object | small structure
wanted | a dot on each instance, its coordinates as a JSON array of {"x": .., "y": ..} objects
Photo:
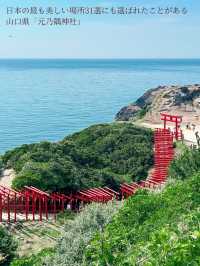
[{"x": 174, "y": 119}]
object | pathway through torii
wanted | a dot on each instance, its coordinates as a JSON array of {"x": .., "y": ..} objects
[{"x": 188, "y": 133}]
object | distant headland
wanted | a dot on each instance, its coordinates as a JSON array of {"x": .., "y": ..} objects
[{"x": 179, "y": 100}]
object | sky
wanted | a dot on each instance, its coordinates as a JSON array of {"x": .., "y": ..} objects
[{"x": 104, "y": 36}]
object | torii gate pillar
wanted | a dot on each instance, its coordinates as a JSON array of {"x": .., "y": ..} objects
[{"x": 175, "y": 119}]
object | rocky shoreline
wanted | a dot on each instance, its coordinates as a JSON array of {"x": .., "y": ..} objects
[{"x": 182, "y": 100}]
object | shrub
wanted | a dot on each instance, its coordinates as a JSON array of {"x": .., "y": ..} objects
[
  {"x": 79, "y": 232},
  {"x": 8, "y": 246},
  {"x": 186, "y": 164}
]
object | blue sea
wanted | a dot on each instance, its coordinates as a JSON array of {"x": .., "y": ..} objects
[{"x": 49, "y": 99}]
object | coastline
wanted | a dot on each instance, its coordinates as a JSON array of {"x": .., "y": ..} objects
[
  {"x": 183, "y": 101},
  {"x": 150, "y": 118}
]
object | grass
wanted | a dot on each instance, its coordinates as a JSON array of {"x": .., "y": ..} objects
[
  {"x": 33, "y": 260},
  {"x": 153, "y": 229}
]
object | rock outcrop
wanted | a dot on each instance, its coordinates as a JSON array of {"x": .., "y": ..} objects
[{"x": 169, "y": 99}]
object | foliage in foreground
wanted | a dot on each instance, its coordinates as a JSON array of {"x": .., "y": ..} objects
[
  {"x": 153, "y": 229},
  {"x": 8, "y": 246},
  {"x": 186, "y": 164},
  {"x": 99, "y": 155},
  {"x": 80, "y": 231},
  {"x": 34, "y": 260}
]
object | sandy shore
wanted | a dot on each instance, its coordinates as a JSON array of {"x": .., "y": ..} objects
[{"x": 6, "y": 178}]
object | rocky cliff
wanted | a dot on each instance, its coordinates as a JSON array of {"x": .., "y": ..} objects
[{"x": 182, "y": 100}]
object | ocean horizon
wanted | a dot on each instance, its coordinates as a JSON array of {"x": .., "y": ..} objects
[{"x": 47, "y": 99}]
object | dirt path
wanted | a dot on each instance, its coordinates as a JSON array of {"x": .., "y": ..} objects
[
  {"x": 189, "y": 134},
  {"x": 6, "y": 177},
  {"x": 35, "y": 236}
]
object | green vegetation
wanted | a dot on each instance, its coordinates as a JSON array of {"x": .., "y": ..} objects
[
  {"x": 36, "y": 241},
  {"x": 76, "y": 234},
  {"x": 150, "y": 229},
  {"x": 63, "y": 217},
  {"x": 186, "y": 164},
  {"x": 1, "y": 165},
  {"x": 79, "y": 232},
  {"x": 99, "y": 155},
  {"x": 8, "y": 246},
  {"x": 34, "y": 260},
  {"x": 141, "y": 113},
  {"x": 186, "y": 96},
  {"x": 153, "y": 229}
]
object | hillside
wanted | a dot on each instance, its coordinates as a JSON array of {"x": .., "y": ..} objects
[
  {"x": 100, "y": 155},
  {"x": 155, "y": 228},
  {"x": 150, "y": 228}
]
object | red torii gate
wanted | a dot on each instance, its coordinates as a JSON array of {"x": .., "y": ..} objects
[
  {"x": 11, "y": 202},
  {"x": 96, "y": 194},
  {"x": 32, "y": 201},
  {"x": 174, "y": 119},
  {"x": 42, "y": 202},
  {"x": 163, "y": 155}
]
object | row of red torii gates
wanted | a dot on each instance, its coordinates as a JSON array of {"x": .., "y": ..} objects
[{"x": 32, "y": 203}]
